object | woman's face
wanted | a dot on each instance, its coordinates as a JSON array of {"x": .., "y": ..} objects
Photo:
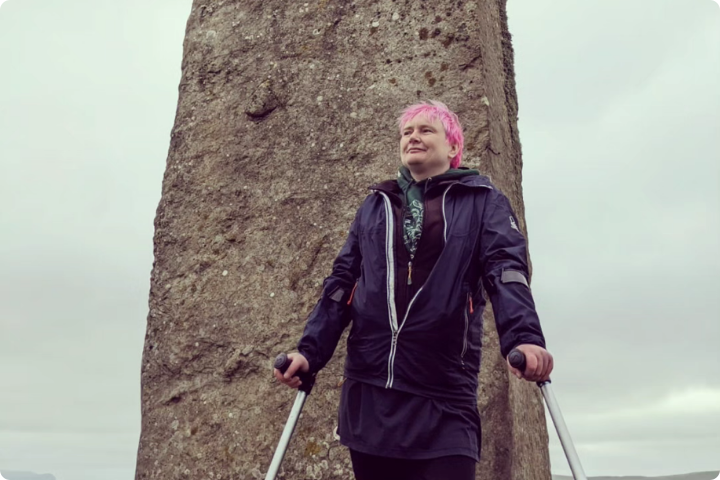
[{"x": 424, "y": 147}]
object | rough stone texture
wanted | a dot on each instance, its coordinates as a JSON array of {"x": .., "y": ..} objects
[{"x": 286, "y": 115}]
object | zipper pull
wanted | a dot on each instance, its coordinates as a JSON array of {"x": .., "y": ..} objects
[{"x": 409, "y": 273}]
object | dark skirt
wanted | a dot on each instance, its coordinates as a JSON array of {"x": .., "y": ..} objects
[{"x": 390, "y": 423}]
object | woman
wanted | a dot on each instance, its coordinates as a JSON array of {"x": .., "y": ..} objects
[{"x": 410, "y": 278}]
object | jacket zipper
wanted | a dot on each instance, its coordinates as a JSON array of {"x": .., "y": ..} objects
[
  {"x": 393, "y": 345},
  {"x": 390, "y": 259},
  {"x": 445, "y": 224}
]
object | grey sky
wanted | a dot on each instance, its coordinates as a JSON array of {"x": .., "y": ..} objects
[{"x": 619, "y": 123}]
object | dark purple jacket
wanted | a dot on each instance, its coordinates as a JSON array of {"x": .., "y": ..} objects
[{"x": 432, "y": 347}]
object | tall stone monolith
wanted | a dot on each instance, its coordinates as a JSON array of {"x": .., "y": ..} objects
[{"x": 286, "y": 115}]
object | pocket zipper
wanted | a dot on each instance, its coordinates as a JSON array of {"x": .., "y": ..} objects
[{"x": 467, "y": 326}]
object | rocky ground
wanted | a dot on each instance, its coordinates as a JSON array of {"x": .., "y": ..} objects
[{"x": 688, "y": 476}]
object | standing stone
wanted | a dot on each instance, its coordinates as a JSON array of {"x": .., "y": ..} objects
[{"x": 286, "y": 115}]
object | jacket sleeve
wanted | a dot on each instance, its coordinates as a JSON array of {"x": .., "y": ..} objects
[
  {"x": 331, "y": 314},
  {"x": 504, "y": 267}
]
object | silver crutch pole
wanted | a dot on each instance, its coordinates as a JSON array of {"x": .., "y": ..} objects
[
  {"x": 517, "y": 360},
  {"x": 282, "y": 362}
]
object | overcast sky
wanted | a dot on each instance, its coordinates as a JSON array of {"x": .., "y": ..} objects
[{"x": 620, "y": 128}]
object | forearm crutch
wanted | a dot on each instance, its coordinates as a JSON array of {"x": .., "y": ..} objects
[
  {"x": 282, "y": 362},
  {"x": 517, "y": 360}
]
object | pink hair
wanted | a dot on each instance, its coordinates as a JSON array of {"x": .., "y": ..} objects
[{"x": 438, "y": 111}]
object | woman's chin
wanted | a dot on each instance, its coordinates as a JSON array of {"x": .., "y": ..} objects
[{"x": 413, "y": 160}]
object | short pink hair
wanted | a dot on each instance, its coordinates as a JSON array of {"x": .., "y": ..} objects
[{"x": 438, "y": 111}]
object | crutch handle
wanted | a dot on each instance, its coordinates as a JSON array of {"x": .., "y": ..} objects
[
  {"x": 282, "y": 362},
  {"x": 517, "y": 359}
]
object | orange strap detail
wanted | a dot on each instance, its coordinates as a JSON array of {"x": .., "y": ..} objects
[
  {"x": 352, "y": 294},
  {"x": 471, "y": 306}
]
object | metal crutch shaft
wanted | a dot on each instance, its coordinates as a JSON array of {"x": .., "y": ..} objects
[
  {"x": 285, "y": 437},
  {"x": 517, "y": 360},
  {"x": 282, "y": 362},
  {"x": 562, "y": 431}
]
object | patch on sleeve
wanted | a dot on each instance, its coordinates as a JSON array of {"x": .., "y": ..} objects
[
  {"x": 337, "y": 295},
  {"x": 513, "y": 276}
]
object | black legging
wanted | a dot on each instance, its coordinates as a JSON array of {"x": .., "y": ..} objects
[{"x": 371, "y": 467}]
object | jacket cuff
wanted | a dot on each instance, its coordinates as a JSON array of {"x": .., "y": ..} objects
[
  {"x": 311, "y": 359},
  {"x": 523, "y": 340}
]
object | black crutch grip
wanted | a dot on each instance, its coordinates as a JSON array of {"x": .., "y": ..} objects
[
  {"x": 282, "y": 362},
  {"x": 517, "y": 360}
]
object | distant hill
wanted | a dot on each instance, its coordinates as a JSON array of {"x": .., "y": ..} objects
[
  {"x": 8, "y": 475},
  {"x": 687, "y": 476}
]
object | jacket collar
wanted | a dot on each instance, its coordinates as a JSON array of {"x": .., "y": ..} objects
[
  {"x": 392, "y": 187},
  {"x": 475, "y": 181}
]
